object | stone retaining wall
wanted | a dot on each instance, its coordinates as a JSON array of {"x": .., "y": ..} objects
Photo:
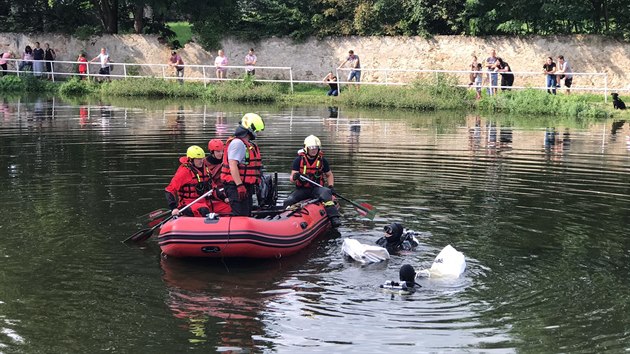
[{"x": 312, "y": 59}]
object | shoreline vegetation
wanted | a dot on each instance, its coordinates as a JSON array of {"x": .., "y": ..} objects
[{"x": 439, "y": 94}]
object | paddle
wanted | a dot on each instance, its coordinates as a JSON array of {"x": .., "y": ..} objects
[
  {"x": 144, "y": 234},
  {"x": 154, "y": 217},
  {"x": 364, "y": 209},
  {"x": 155, "y": 214}
]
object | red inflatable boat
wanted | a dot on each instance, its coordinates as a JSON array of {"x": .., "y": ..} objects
[{"x": 277, "y": 234}]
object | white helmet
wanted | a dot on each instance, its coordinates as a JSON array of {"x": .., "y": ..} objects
[{"x": 312, "y": 141}]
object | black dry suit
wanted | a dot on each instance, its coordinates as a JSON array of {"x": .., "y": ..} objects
[{"x": 397, "y": 241}]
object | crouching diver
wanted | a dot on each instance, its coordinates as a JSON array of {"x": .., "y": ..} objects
[
  {"x": 395, "y": 240},
  {"x": 312, "y": 164},
  {"x": 189, "y": 183}
]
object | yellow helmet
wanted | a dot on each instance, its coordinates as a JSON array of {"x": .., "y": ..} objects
[
  {"x": 195, "y": 152},
  {"x": 253, "y": 123},
  {"x": 311, "y": 141}
]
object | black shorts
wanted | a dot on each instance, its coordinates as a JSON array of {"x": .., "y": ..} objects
[
  {"x": 568, "y": 81},
  {"x": 104, "y": 71}
]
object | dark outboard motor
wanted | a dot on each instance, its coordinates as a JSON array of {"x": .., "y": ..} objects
[{"x": 267, "y": 191}]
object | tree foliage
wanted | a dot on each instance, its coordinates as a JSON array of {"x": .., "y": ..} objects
[{"x": 213, "y": 20}]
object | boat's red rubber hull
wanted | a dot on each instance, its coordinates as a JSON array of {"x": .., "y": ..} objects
[{"x": 240, "y": 236}]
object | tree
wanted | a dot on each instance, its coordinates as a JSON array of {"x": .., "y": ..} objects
[{"x": 108, "y": 14}]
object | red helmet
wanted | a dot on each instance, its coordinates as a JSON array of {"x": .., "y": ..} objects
[{"x": 215, "y": 145}]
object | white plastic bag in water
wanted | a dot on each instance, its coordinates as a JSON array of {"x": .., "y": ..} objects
[
  {"x": 448, "y": 263},
  {"x": 363, "y": 253}
]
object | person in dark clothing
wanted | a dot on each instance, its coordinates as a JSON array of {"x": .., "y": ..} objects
[
  {"x": 549, "y": 69},
  {"x": 507, "y": 77},
  {"x": 49, "y": 56},
  {"x": 331, "y": 80},
  {"x": 395, "y": 240}
]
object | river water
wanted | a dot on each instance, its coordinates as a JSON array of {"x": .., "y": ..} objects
[{"x": 538, "y": 206}]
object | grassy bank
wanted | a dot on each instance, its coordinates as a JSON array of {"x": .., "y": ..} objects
[{"x": 439, "y": 95}]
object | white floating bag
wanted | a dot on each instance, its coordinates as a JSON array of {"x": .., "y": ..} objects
[
  {"x": 448, "y": 263},
  {"x": 363, "y": 253}
]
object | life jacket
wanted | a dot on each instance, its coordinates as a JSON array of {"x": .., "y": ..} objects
[
  {"x": 250, "y": 170},
  {"x": 214, "y": 166},
  {"x": 198, "y": 184},
  {"x": 311, "y": 169}
]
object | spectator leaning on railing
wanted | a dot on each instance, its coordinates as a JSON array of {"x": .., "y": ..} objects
[
  {"x": 176, "y": 62},
  {"x": 27, "y": 59},
  {"x": 3, "y": 61},
  {"x": 564, "y": 72},
  {"x": 104, "y": 59}
]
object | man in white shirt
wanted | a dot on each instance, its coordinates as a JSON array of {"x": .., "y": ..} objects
[
  {"x": 564, "y": 72},
  {"x": 103, "y": 57},
  {"x": 250, "y": 61}
]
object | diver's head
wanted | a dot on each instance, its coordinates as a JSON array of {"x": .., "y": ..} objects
[
  {"x": 393, "y": 232},
  {"x": 408, "y": 275}
]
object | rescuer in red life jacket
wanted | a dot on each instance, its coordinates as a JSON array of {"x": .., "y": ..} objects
[
  {"x": 189, "y": 183},
  {"x": 312, "y": 164},
  {"x": 219, "y": 201},
  {"x": 242, "y": 165}
]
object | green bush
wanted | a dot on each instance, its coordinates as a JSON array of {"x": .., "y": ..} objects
[
  {"x": 152, "y": 88},
  {"x": 538, "y": 102},
  {"x": 245, "y": 91},
  {"x": 76, "y": 87},
  {"x": 25, "y": 83},
  {"x": 11, "y": 84}
]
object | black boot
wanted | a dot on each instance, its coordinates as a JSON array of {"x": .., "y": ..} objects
[{"x": 335, "y": 221}]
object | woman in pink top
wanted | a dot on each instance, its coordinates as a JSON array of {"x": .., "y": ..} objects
[
  {"x": 27, "y": 59},
  {"x": 220, "y": 62},
  {"x": 3, "y": 61}
]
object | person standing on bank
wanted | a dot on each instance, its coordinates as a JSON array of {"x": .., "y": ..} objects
[
  {"x": 189, "y": 183},
  {"x": 3, "y": 61},
  {"x": 220, "y": 63},
  {"x": 492, "y": 72},
  {"x": 507, "y": 77},
  {"x": 355, "y": 67},
  {"x": 242, "y": 165},
  {"x": 49, "y": 56},
  {"x": 250, "y": 62},
  {"x": 176, "y": 62},
  {"x": 549, "y": 69},
  {"x": 564, "y": 72},
  {"x": 312, "y": 164},
  {"x": 104, "y": 59},
  {"x": 38, "y": 60}
]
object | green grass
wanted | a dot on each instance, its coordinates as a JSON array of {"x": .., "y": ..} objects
[
  {"x": 432, "y": 95},
  {"x": 183, "y": 32}
]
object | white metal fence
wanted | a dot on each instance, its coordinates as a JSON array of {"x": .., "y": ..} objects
[{"x": 584, "y": 81}]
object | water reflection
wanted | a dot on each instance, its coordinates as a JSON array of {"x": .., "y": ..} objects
[
  {"x": 175, "y": 120},
  {"x": 216, "y": 305},
  {"x": 541, "y": 238}
]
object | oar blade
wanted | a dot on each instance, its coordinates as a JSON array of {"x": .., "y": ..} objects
[
  {"x": 158, "y": 219},
  {"x": 158, "y": 213},
  {"x": 367, "y": 211},
  {"x": 140, "y": 236}
]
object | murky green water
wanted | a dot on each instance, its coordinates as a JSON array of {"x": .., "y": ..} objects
[{"x": 539, "y": 207}]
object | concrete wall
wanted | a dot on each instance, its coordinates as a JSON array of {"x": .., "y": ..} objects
[{"x": 312, "y": 59}]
